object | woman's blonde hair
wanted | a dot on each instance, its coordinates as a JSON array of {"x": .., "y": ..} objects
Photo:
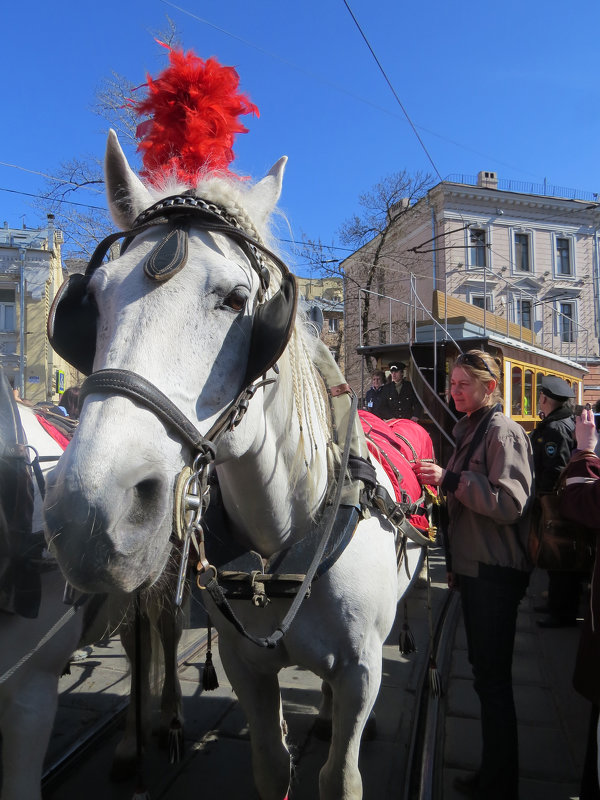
[{"x": 482, "y": 367}]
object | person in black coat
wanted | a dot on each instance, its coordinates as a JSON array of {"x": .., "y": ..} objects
[
  {"x": 373, "y": 397},
  {"x": 399, "y": 400},
  {"x": 553, "y": 441}
]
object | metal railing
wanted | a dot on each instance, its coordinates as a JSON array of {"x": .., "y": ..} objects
[{"x": 525, "y": 187}]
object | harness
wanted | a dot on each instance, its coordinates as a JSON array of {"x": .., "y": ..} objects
[{"x": 74, "y": 308}]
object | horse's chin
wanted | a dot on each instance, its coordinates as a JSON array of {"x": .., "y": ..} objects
[
  {"x": 113, "y": 581},
  {"x": 98, "y": 566}
]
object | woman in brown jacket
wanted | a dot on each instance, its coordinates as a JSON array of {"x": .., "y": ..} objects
[{"x": 488, "y": 482}]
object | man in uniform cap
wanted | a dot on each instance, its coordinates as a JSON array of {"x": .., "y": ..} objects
[
  {"x": 399, "y": 400},
  {"x": 553, "y": 440},
  {"x": 556, "y": 388}
]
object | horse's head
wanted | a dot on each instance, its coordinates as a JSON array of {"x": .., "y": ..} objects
[{"x": 183, "y": 308}]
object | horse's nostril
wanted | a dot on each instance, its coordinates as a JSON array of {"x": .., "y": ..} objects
[
  {"x": 146, "y": 501},
  {"x": 146, "y": 491}
]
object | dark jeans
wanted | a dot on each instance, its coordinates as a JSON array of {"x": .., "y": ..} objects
[{"x": 489, "y": 605}]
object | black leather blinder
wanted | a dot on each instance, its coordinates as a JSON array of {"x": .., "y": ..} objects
[
  {"x": 73, "y": 318},
  {"x": 271, "y": 329},
  {"x": 72, "y": 323}
]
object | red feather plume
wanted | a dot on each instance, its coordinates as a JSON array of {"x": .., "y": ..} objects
[{"x": 194, "y": 107}]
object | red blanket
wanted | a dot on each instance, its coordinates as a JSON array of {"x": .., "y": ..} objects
[
  {"x": 52, "y": 431},
  {"x": 397, "y": 444}
]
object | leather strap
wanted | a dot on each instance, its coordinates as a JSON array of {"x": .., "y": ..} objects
[
  {"x": 218, "y": 596},
  {"x": 137, "y": 388},
  {"x": 342, "y": 388}
]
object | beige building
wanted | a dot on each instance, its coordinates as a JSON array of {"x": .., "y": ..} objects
[
  {"x": 523, "y": 257},
  {"x": 325, "y": 296},
  {"x": 30, "y": 275}
]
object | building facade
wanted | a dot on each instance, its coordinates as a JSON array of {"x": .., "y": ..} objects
[
  {"x": 526, "y": 255},
  {"x": 325, "y": 296},
  {"x": 30, "y": 275}
]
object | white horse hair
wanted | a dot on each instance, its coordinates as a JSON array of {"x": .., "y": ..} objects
[
  {"x": 109, "y": 505},
  {"x": 34, "y": 653}
]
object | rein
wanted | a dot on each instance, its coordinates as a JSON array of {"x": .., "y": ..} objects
[{"x": 218, "y": 596}]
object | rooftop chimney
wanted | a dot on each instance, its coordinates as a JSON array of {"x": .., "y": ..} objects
[{"x": 487, "y": 180}]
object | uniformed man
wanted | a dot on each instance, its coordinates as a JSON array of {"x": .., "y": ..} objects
[
  {"x": 399, "y": 400},
  {"x": 553, "y": 440}
]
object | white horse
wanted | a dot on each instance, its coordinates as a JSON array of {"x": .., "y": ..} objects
[
  {"x": 109, "y": 506},
  {"x": 34, "y": 652}
]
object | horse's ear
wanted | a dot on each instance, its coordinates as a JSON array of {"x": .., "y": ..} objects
[
  {"x": 127, "y": 196},
  {"x": 266, "y": 192}
]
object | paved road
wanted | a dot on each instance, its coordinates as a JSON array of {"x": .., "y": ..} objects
[
  {"x": 217, "y": 756},
  {"x": 552, "y": 719}
]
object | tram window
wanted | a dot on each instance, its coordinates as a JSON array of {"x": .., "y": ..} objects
[
  {"x": 528, "y": 393},
  {"x": 517, "y": 391}
]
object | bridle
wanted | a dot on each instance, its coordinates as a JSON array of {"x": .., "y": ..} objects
[
  {"x": 273, "y": 321},
  {"x": 271, "y": 329}
]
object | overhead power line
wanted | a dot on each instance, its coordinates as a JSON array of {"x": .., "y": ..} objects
[
  {"x": 52, "y": 200},
  {"x": 49, "y": 177},
  {"x": 389, "y": 83}
]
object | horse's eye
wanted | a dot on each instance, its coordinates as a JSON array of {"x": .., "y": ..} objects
[{"x": 235, "y": 300}]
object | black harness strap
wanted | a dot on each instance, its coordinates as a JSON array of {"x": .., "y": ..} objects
[{"x": 218, "y": 596}]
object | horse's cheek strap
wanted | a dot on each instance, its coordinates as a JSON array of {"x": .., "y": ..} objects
[{"x": 124, "y": 382}]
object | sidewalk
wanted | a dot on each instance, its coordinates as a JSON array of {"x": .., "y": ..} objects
[{"x": 553, "y": 718}]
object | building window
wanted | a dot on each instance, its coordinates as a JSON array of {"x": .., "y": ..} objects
[
  {"x": 566, "y": 322},
  {"x": 478, "y": 300},
  {"x": 563, "y": 256},
  {"x": 8, "y": 317},
  {"x": 334, "y": 324},
  {"x": 524, "y": 313},
  {"x": 522, "y": 262},
  {"x": 477, "y": 248}
]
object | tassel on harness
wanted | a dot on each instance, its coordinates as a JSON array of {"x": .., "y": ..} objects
[
  {"x": 210, "y": 682},
  {"x": 406, "y": 641}
]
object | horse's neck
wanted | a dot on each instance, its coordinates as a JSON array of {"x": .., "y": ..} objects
[{"x": 274, "y": 491}]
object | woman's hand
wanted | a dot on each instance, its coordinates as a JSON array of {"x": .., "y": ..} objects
[
  {"x": 429, "y": 473},
  {"x": 585, "y": 431}
]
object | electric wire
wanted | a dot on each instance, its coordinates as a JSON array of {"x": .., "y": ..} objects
[
  {"x": 52, "y": 200},
  {"x": 49, "y": 177},
  {"x": 389, "y": 83}
]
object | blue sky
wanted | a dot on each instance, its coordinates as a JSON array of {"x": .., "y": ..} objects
[{"x": 510, "y": 87}]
